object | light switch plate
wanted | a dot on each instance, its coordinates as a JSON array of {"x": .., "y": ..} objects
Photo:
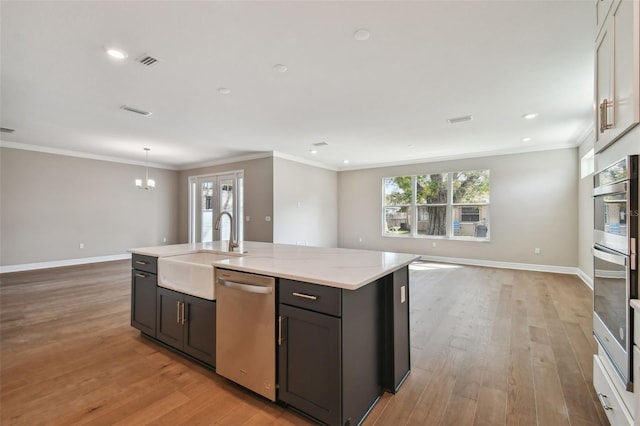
[{"x": 403, "y": 294}]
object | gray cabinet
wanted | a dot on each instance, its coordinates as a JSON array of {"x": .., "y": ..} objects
[
  {"x": 330, "y": 350},
  {"x": 143, "y": 293},
  {"x": 187, "y": 323}
]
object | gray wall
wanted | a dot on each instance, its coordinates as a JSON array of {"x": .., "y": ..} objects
[
  {"x": 305, "y": 204},
  {"x": 52, "y": 203},
  {"x": 534, "y": 198},
  {"x": 258, "y": 197}
]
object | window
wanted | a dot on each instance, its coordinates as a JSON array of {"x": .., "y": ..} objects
[
  {"x": 208, "y": 196},
  {"x": 587, "y": 164},
  {"x": 445, "y": 205}
]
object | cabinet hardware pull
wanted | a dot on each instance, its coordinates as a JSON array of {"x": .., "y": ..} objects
[
  {"x": 279, "y": 330},
  {"x": 305, "y": 296},
  {"x": 604, "y": 115},
  {"x": 140, "y": 262},
  {"x": 182, "y": 309},
  {"x": 141, "y": 275},
  {"x": 178, "y": 313},
  {"x": 603, "y": 400}
]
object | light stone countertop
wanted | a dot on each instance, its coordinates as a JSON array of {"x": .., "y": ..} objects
[
  {"x": 334, "y": 267},
  {"x": 635, "y": 304}
]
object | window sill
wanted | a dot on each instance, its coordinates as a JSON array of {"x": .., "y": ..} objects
[{"x": 433, "y": 237}]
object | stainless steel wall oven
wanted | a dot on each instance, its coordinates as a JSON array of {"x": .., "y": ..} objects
[{"x": 615, "y": 278}]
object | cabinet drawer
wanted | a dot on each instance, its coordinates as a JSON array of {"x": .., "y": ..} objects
[
  {"x": 327, "y": 300},
  {"x": 613, "y": 406},
  {"x": 144, "y": 263}
]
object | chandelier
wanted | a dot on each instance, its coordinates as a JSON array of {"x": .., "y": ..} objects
[{"x": 148, "y": 183}]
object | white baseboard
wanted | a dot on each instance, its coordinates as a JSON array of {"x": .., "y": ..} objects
[
  {"x": 512, "y": 265},
  {"x": 59, "y": 263},
  {"x": 586, "y": 278}
]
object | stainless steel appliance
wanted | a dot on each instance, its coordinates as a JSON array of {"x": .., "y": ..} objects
[
  {"x": 615, "y": 261},
  {"x": 245, "y": 330}
]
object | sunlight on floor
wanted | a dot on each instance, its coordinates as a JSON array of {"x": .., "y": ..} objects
[{"x": 424, "y": 266}]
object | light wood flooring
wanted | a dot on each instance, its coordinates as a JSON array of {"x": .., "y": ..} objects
[{"x": 489, "y": 347}]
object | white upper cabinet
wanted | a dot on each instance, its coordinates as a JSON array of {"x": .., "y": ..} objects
[{"x": 617, "y": 73}]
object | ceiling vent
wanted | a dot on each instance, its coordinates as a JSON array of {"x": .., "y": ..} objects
[
  {"x": 7, "y": 130},
  {"x": 147, "y": 60},
  {"x": 136, "y": 110},
  {"x": 457, "y": 120},
  {"x": 320, "y": 144}
]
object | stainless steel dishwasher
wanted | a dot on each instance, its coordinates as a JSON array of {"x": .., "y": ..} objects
[{"x": 245, "y": 330}]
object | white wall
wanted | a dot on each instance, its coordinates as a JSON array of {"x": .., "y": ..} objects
[
  {"x": 305, "y": 204},
  {"x": 534, "y": 202},
  {"x": 52, "y": 203},
  {"x": 585, "y": 214}
]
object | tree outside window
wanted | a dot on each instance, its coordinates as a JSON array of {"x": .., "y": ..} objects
[{"x": 444, "y": 205}]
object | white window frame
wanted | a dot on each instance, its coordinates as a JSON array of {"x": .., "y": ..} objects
[
  {"x": 450, "y": 206},
  {"x": 238, "y": 203}
]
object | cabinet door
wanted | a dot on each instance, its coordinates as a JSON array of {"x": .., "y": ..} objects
[
  {"x": 310, "y": 363},
  {"x": 604, "y": 86},
  {"x": 169, "y": 328},
  {"x": 200, "y": 329},
  {"x": 143, "y": 301},
  {"x": 617, "y": 70}
]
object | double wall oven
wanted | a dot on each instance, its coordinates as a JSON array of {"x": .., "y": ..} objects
[{"x": 615, "y": 261}]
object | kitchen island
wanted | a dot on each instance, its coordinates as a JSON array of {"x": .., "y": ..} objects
[{"x": 340, "y": 333}]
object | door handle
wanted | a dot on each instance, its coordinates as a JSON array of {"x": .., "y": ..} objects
[
  {"x": 604, "y": 115},
  {"x": 182, "y": 310},
  {"x": 603, "y": 400},
  {"x": 178, "y": 313},
  {"x": 141, "y": 275},
  {"x": 279, "y": 330}
]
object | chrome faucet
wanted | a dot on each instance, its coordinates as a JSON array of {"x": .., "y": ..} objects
[{"x": 232, "y": 244}]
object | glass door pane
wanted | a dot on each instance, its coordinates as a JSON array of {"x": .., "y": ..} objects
[
  {"x": 226, "y": 205},
  {"x": 206, "y": 210}
]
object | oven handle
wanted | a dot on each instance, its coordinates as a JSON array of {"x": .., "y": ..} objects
[
  {"x": 615, "y": 188},
  {"x": 609, "y": 256}
]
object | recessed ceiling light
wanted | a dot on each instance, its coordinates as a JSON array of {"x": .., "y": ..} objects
[
  {"x": 280, "y": 68},
  {"x": 530, "y": 115},
  {"x": 116, "y": 53},
  {"x": 346, "y": 161},
  {"x": 314, "y": 151},
  {"x": 361, "y": 34},
  {"x": 224, "y": 91},
  {"x": 527, "y": 139}
]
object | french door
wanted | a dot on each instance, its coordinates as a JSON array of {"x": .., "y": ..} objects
[{"x": 209, "y": 195}]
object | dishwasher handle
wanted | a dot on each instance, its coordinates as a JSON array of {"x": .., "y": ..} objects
[{"x": 247, "y": 288}]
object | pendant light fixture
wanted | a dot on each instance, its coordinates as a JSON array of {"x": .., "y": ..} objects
[{"x": 148, "y": 183}]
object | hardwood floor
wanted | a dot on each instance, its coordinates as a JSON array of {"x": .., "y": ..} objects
[{"x": 489, "y": 347}]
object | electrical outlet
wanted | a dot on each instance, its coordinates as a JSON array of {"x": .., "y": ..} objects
[
  {"x": 164, "y": 240},
  {"x": 433, "y": 244},
  {"x": 536, "y": 250},
  {"x": 360, "y": 239},
  {"x": 248, "y": 219},
  {"x": 267, "y": 218},
  {"x": 81, "y": 245}
]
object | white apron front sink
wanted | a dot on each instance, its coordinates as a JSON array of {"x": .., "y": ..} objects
[{"x": 189, "y": 273}]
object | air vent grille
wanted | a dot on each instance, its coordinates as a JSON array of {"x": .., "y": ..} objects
[
  {"x": 7, "y": 130},
  {"x": 459, "y": 119},
  {"x": 147, "y": 60},
  {"x": 136, "y": 110},
  {"x": 320, "y": 144}
]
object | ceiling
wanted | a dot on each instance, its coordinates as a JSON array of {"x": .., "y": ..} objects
[{"x": 384, "y": 100}]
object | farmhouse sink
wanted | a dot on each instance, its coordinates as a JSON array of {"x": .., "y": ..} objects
[{"x": 189, "y": 273}]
